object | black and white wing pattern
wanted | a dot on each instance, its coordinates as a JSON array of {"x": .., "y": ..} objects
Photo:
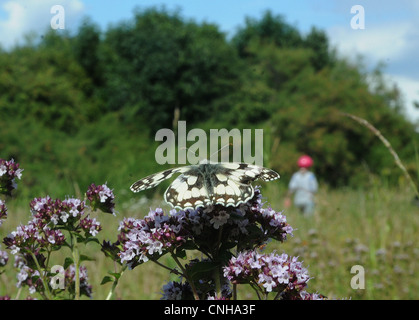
[
  {"x": 155, "y": 179},
  {"x": 225, "y": 183}
]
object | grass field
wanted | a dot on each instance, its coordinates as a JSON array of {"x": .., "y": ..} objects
[{"x": 377, "y": 229}]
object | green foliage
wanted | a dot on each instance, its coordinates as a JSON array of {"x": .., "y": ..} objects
[
  {"x": 81, "y": 108},
  {"x": 160, "y": 63},
  {"x": 268, "y": 29}
]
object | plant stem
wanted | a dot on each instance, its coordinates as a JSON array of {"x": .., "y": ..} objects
[
  {"x": 195, "y": 293},
  {"x": 277, "y": 295},
  {"x": 166, "y": 267},
  {"x": 18, "y": 293},
  {"x": 217, "y": 282},
  {"x": 76, "y": 259},
  {"x": 42, "y": 277},
  {"x": 48, "y": 256},
  {"x": 217, "y": 272},
  {"x": 115, "y": 283},
  {"x": 387, "y": 144},
  {"x": 256, "y": 288}
]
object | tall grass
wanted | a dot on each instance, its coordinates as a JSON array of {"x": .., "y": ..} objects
[
  {"x": 387, "y": 144},
  {"x": 377, "y": 229}
]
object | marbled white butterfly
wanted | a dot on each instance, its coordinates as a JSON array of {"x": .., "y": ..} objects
[{"x": 208, "y": 183}]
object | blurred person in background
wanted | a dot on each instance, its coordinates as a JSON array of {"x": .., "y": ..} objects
[{"x": 303, "y": 185}]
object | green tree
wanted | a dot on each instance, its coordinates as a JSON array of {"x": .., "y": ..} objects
[
  {"x": 87, "y": 51},
  {"x": 45, "y": 83},
  {"x": 270, "y": 28},
  {"x": 75, "y": 108},
  {"x": 158, "y": 63}
]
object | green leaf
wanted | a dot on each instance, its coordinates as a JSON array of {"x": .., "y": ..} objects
[
  {"x": 117, "y": 275},
  {"x": 180, "y": 253},
  {"x": 189, "y": 245},
  {"x": 225, "y": 256},
  {"x": 86, "y": 258},
  {"x": 202, "y": 268},
  {"x": 67, "y": 262},
  {"x": 106, "y": 279},
  {"x": 227, "y": 245}
]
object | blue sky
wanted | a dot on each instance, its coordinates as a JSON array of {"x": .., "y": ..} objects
[{"x": 391, "y": 33}]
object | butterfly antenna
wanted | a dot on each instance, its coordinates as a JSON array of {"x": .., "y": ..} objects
[
  {"x": 187, "y": 149},
  {"x": 219, "y": 150}
]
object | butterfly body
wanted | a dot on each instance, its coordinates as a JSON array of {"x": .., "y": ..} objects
[{"x": 208, "y": 183}]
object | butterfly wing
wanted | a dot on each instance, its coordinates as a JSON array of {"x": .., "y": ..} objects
[
  {"x": 155, "y": 179},
  {"x": 188, "y": 191},
  {"x": 232, "y": 182},
  {"x": 247, "y": 173},
  {"x": 226, "y": 184},
  {"x": 230, "y": 191}
]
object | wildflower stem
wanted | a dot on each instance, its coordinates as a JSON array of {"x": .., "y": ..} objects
[
  {"x": 48, "y": 256},
  {"x": 42, "y": 277},
  {"x": 18, "y": 293},
  {"x": 256, "y": 288},
  {"x": 195, "y": 293},
  {"x": 217, "y": 282},
  {"x": 115, "y": 283},
  {"x": 277, "y": 295},
  {"x": 387, "y": 144},
  {"x": 166, "y": 267},
  {"x": 204, "y": 251},
  {"x": 76, "y": 259}
]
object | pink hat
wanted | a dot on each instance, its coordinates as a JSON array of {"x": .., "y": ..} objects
[{"x": 305, "y": 162}]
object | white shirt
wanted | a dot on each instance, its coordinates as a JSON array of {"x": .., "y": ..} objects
[{"x": 304, "y": 185}]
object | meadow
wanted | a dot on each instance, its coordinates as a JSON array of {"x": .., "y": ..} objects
[{"x": 376, "y": 228}]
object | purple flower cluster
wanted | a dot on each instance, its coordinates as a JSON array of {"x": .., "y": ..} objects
[
  {"x": 56, "y": 211},
  {"x": 9, "y": 171},
  {"x": 4, "y": 257},
  {"x": 49, "y": 218},
  {"x": 52, "y": 219},
  {"x": 273, "y": 224},
  {"x": 304, "y": 295},
  {"x": 90, "y": 225},
  {"x": 249, "y": 226},
  {"x": 70, "y": 280},
  {"x": 213, "y": 230},
  {"x": 238, "y": 225},
  {"x": 30, "y": 278},
  {"x": 33, "y": 236},
  {"x": 3, "y": 211},
  {"x": 65, "y": 214},
  {"x": 28, "y": 275},
  {"x": 271, "y": 272},
  {"x": 101, "y": 197},
  {"x": 152, "y": 236},
  {"x": 176, "y": 291}
]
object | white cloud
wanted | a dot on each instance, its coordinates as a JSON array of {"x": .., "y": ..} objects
[
  {"x": 23, "y": 17},
  {"x": 378, "y": 42},
  {"x": 410, "y": 92},
  {"x": 396, "y": 44}
]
